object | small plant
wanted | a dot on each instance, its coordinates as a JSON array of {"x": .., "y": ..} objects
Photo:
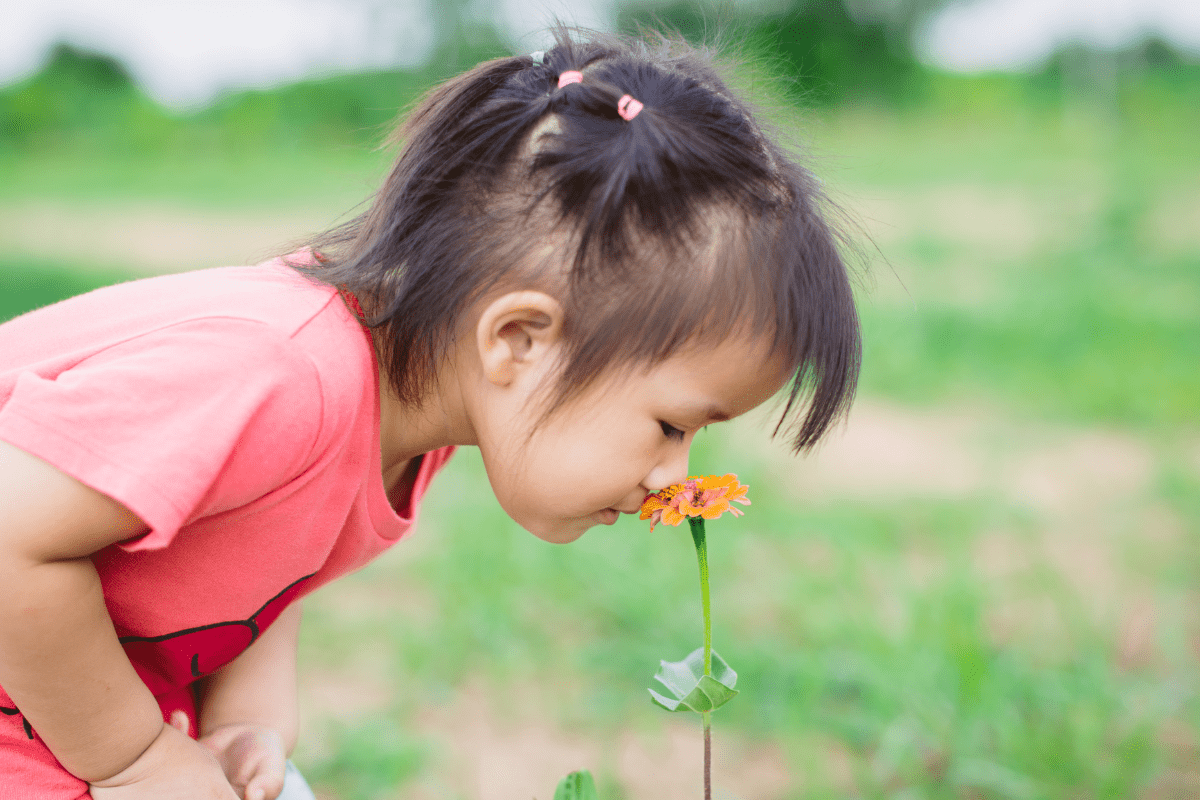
[
  {"x": 703, "y": 681},
  {"x": 577, "y": 786}
]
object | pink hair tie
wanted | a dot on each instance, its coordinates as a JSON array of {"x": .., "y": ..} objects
[
  {"x": 569, "y": 77},
  {"x": 628, "y": 107}
]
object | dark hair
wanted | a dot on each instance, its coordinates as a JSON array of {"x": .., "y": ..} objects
[{"x": 683, "y": 224}]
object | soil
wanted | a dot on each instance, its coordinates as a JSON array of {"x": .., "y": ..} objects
[
  {"x": 1007, "y": 224},
  {"x": 1089, "y": 495},
  {"x": 503, "y": 754},
  {"x": 150, "y": 238},
  {"x": 1175, "y": 223}
]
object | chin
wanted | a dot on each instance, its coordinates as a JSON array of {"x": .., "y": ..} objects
[{"x": 561, "y": 533}]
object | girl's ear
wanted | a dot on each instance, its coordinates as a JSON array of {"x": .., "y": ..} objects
[{"x": 517, "y": 331}]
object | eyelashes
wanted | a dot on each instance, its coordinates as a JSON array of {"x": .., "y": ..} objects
[{"x": 670, "y": 431}]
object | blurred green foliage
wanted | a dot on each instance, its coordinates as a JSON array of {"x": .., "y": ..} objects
[
  {"x": 834, "y": 52},
  {"x": 87, "y": 99},
  {"x": 820, "y": 51},
  {"x": 840, "y": 648},
  {"x": 366, "y": 761},
  {"x": 26, "y": 284}
]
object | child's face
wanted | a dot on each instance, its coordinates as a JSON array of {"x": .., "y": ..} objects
[{"x": 627, "y": 436}]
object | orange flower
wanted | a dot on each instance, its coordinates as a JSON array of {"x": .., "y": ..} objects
[{"x": 707, "y": 496}]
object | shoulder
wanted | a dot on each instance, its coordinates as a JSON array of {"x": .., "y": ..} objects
[
  {"x": 271, "y": 293},
  {"x": 265, "y": 311}
]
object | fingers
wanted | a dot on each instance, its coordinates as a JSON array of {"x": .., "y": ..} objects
[
  {"x": 264, "y": 788},
  {"x": 268, "y": 778},
  {"x": 253, "y": 759}
]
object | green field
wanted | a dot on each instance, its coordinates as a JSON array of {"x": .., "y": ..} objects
[{"x": 984, "y": 587}]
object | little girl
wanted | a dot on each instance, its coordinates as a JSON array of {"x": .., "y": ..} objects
[{"x": 580, "y": 258}]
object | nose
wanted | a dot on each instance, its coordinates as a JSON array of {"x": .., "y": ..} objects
[{"x": 672, "y": 469}]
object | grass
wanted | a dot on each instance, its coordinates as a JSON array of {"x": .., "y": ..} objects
[
  {"x": 27, "y": 284},
  {"x": 274, "y": 178},
  {"x": 878, "y": 645},
  {"x": 835, "y": 637},
  {"x": 899, "y": 670},
  {"x": 366, "y": 760}
]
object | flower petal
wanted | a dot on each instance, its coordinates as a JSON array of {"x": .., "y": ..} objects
[
  {"x": 672, "y": 517},
  {"x": 707, "y": 496},
  {"x": 652, "y": 504}
]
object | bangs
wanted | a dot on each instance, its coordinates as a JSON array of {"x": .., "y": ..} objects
[{"x": 727, "y": 275}]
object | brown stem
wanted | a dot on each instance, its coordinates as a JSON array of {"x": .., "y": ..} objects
[{"x": 707, "y": 757}]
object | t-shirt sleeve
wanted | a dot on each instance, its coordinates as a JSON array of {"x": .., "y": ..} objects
[{"x": 186, "y": 421}]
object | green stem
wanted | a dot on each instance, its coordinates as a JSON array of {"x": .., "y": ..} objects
[{"x": 697, "y": 525}]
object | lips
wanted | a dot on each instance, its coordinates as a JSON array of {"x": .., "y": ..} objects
[{"x": 612, "y": 513}]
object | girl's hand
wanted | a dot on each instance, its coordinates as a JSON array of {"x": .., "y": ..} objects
[
  {"x": 173, "y": 766},
  {"x": 253, "y": 758}
]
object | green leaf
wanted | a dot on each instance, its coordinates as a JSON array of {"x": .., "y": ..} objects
[
  {"x": 692, "y": 689},
  {"x": 577, "y": 786}
]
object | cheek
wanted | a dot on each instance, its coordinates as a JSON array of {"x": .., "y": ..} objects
[
  {"x": 600, "y": 456},
  {"x": 564, "y": 472},
  {"x": 533, "y": 484}
]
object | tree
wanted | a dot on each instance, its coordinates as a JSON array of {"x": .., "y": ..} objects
[{"x": 828, "y": 51}]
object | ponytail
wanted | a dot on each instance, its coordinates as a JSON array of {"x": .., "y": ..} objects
[{"x": 679, "y": 220}]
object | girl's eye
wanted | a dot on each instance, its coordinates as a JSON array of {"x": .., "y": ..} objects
[{"x": 670, "y": 431}]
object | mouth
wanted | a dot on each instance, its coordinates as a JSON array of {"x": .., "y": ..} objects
[{"x": 610, "y": 515}]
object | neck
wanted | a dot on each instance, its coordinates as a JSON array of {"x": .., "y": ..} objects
[{"x": 406, "y": 431}]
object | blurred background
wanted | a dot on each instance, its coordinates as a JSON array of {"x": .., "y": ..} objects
[{"x": 984, "y": 585}]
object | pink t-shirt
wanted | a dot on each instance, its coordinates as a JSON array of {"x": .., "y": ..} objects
[{"x": 236, "y": 412}]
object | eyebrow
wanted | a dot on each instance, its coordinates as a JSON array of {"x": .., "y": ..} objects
[{"x": 715, "y": 414}]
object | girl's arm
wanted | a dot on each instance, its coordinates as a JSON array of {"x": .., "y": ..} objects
[
  {"x": 60, "y": 660},
  {"x": 258, "y": 688},
  {"x": 248, "y": 714}
]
